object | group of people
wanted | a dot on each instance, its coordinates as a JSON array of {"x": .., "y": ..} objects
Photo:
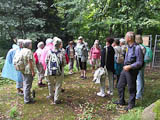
[{"x": 121, "y": 58}]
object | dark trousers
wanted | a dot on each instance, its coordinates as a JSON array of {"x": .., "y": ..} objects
[{"x": 130, "y": 79}]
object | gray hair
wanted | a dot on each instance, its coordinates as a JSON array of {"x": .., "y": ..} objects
[
  {"x": 131, "y": 35},
  {"x": 40, "y": 45},
  {"x": 27, "y": 43},
  {"x": 49, "y": 40},
  {"x": 20, "y": 42},
  {"x": 96, "y": 42},
  {"x": 57, "y": 42}
]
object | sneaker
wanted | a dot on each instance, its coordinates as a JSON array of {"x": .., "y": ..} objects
[
  {"x": 119, "y": 103},
  {"x": 110, "y": 93},
  {"x": 129, "y": 107},
  {"x": 101, "y": 94},
  {"x": 30, "y": 102},
  {"x": 42, "y": 85},
  {"x": 49, "y": 97},
  {"x": 57, "y": 102},
  {"x": 82, "y": 77},
  {"x": 70, "y": 73}
]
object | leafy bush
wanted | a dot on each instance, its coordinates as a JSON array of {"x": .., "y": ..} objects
[
  {"x": 3, "y": 52},
  {"x": 2, "y": 61}
]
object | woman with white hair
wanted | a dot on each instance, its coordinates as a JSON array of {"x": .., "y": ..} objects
[
  {"x": 54, "y": 63},
  {"x": 9, "y": 70},
  {"x": 123, "y": 46},
  {"x": 28, "y": 72},
  {"x": 95, "y": 54},
  {"x": 49, "y": 46},
  {"x": 40, "y": 69}
]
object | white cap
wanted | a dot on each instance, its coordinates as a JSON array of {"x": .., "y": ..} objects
[
  {"x": 80, "y": 38},
  {"x": 122, "y": 40}
]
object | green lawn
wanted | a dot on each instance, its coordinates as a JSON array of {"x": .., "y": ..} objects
[{"x": 79, "y": 101}]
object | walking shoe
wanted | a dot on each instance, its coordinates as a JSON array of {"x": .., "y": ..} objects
[
  {"x": 110, "y": 93},
  {"x": 30, "y": 102},
  {"x": 33, "y": 93},
  {"x": 101, "y": 94},
  {"x": 70, "y": 73},
  {"x": 129, "y": 107},
  {"x": 42, "y": 85},
  {"x": 49, "y": 97},
  {"x": 82, "y": 77},
  {"x": 57, "y": 102},
  {"x": 119, "y": 103}
]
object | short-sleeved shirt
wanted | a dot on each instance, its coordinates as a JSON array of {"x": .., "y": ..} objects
[{"x": 27, "y": 55}]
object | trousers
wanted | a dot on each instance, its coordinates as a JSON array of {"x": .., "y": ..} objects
[
  {"x": 54, "y": 82},
  {"x": 127, "y": 77},
  {"x": 27, "y": 85}
]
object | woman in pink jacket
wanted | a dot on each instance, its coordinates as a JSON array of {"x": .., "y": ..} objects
[{"x": 95, "y": 55}]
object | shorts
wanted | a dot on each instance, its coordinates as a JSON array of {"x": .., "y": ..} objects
[{"x": 83, "y": 65}]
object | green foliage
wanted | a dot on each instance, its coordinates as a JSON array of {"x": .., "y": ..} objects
[
  {"x": 111, "y": 107},
  {"x": 13, "y": 113},
  {"x": 134, "y": 114},
  {"x": 156, "y": 110},
  {"x": 2, "y": 61},
  {"x": 87, "y": 112}
]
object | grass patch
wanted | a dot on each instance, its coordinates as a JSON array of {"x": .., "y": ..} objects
[
  {"x": 156, "y": 110},
  {"x": 134, "y": 114},
  {"x": 79, "y": 101}
]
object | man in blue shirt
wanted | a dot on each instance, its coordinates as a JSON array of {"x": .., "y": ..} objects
[{"x": 133, "y": 62}]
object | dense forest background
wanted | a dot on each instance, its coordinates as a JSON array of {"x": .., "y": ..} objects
[{"x": 68, "y": 19}]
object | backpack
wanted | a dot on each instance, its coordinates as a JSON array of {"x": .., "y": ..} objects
[
  {"x": 120, "y": 57},
  {"x": 148, "y": 55},
  {"x": 54, "y": 64},
  {"x": 18, "y": 61}
]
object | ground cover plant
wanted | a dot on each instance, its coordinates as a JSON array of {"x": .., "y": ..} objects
[{"x": 79, "y": 101}]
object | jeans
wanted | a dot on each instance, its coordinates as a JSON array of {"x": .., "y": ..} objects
[{"x": 140, "y": 83}]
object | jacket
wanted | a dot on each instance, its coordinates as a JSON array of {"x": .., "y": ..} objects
[{"x": 109, "y": 63}]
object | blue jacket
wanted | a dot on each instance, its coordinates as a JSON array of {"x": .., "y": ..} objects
[{"x": 68, "y": 51}]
